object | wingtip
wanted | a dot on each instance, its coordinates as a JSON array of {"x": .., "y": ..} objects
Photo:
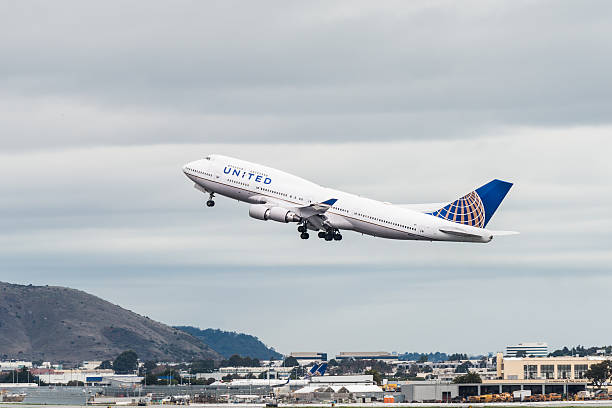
[{"x": 331, "y": 201}]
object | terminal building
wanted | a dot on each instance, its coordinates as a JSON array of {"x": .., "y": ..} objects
[
  {"x": 545, "y": 368},
  {"x": 527, "y": 350},
  {"x": 367, "y": 355}
]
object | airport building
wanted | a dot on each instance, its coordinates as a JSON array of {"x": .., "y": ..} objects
[
  {"x": 366, "y": 355},
  {"x": 527, "y": 350},
  {"x": 341, "y": 388},
  {"x": 434, "y": 391},
  {"x": 14, "y": 365},
  {"x": 545, "y": 368},
  {"x": 308, "y": 357},
  {"x": 89, "y": 377}
]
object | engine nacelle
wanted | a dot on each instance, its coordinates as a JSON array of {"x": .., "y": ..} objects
[
  {"x": 282, "y": 215},
  {"x": 279, "y": 214},
  {"x": 259, "y": 211}
]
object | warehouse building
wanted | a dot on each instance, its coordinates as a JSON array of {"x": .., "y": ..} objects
[
  {"x": 340, "y": 388},
  {"x": 430, "y": 391},
  {"x": 545, "y": 368}
]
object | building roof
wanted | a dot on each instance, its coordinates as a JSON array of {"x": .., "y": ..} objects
[
  {"x": 351, "y": 388},
  {"x": 364, "y": 353}
]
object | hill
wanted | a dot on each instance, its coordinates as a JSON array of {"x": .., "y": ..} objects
[
  {"x": 67, "y": 325},
  {"x": 230, "y": 343}
]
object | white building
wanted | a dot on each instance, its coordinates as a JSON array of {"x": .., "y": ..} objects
[
  {"x": 14, "y": 365},
  {"x": 529, "y": 350},
  {"x": 91, "y": 365},
  {"x": 345, "y": 388},
  {"x": 91, "y": 377}
]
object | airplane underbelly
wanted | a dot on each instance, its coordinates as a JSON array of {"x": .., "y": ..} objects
[
  {"x": 380, "y": 231},
  {"x": 224, "y": 189}
]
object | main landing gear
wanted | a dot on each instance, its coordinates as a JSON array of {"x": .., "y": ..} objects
[
  {"x": 210, "y": 202},
  {"x": 303, "y": 231},
  {"x": 330, "y": 235}
]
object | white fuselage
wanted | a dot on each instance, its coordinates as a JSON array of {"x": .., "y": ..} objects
[{"x": 255, "y": 184}]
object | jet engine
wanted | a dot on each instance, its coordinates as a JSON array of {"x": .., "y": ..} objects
[{"x": 279, "y": 214}]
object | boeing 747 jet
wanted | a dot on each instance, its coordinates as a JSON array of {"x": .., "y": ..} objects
[{"x": 282, "y": 197}]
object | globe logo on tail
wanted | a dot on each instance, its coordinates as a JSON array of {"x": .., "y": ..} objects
[{"x": 467, "y": 210}]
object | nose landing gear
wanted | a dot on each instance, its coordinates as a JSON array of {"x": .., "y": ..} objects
[{"x": 210, "y": 202}]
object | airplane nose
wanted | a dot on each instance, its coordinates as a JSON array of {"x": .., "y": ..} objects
[{"x": 188, "y": 166}]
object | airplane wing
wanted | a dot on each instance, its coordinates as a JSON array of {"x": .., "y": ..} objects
[{"x": 315, "y": 208}]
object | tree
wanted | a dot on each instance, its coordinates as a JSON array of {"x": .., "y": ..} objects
[
  {"x": 469, "y": 378},
  {"x": 238, "y": 361},
  {"x": 423, "y": 358},
  {"x": 290, "y": 362},
  {"x": 375, "y": 375},
  {"x": 202, "y": 366},
  {"x": 150, "y": 379},
  {"x": 457, "y": 357},
  {"x": 521, "y": 353},
  {"x": 126, "y": 362},
  {"x": 463, "y": 367},
  {"x": 20, "y": 375},
  {"x": 106, "y": 365},
  {"x": 599, "y": 373},
  {"x": 332, "y": 363}
]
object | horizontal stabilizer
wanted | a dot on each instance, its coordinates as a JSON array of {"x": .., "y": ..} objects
[
  {"x": 503, "y": 233},
  {"x": 459, "y": 233}
]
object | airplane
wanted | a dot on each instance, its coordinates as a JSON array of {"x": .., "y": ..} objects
[
  {"x": 282, "y": 197},
  {"x": 316, "y": 370}
]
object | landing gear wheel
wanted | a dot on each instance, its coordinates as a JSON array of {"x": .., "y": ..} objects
[
  {"x": 321, "y": 234},
  {"x": 304, "y": 235},
  {"x": 210, "y": 202},
  {"x": 329, "y": 236},
  {"x": 337, "y": 236},
  {"x": 302, "y": 228}
]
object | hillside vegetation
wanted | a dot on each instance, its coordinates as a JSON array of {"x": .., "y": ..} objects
[
  {"x": 230, "y": 343},
  {"x": 53, "y": 323}
]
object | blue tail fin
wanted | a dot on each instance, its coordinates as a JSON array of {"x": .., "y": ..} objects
[
  {"x": 321, "y": 369},
  {"x": 313, "y": 370},
  {"x": 476, "y": 208}
]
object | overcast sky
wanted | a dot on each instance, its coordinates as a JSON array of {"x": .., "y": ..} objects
[{"x": 102, "y": 103}]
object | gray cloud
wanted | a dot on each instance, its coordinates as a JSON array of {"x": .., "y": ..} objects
[
  {"x": 101, "y": 104},
  {"x": 142, "y": 72},
  {"x": 124, "y": 223}
]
